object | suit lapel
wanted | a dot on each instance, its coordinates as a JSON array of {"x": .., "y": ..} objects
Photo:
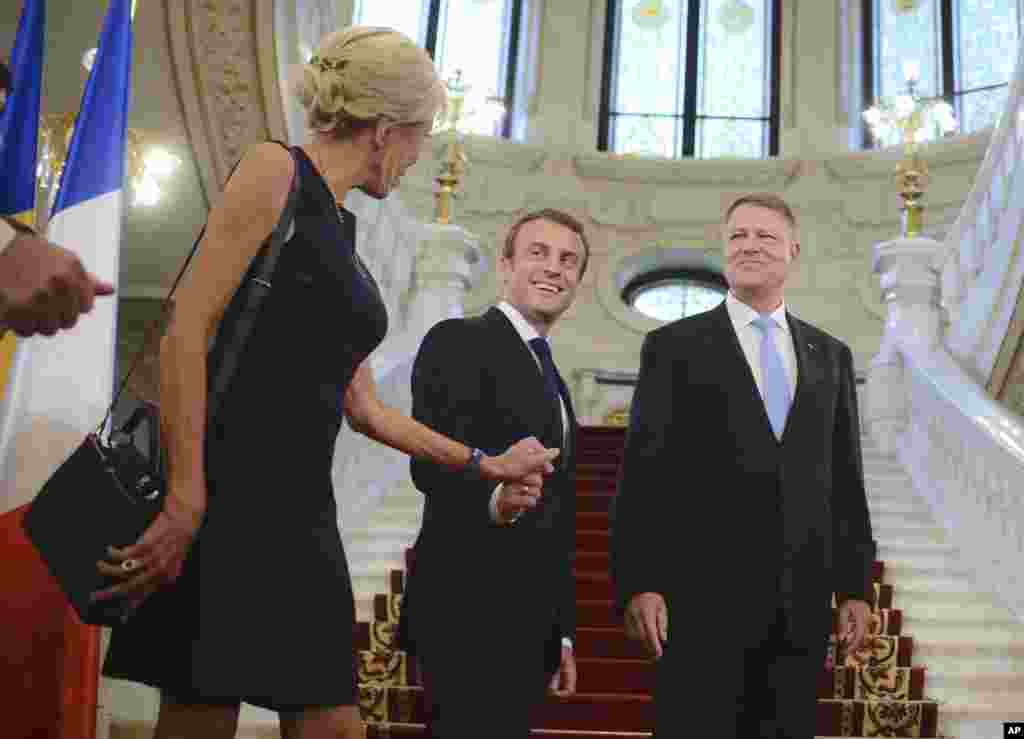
[{"x": 809, "y": 369}]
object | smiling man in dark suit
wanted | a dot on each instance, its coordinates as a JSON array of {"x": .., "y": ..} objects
[
  {"x": 741, "y": 506},
  {"x": 490, "y": 606}
]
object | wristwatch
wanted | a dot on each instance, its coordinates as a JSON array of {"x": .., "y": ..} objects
[{"x": 473, "y": 465}]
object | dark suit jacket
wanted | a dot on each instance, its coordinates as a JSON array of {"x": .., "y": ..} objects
[
  {"x": 476, "y": 381},
  {"x": 720, "y": 517}
]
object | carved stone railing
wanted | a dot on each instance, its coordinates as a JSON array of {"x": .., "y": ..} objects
[
  {"x": 982, "y": 269},
  {"x": 953, "y": 310},
  {"x": 965, "y": 452}
]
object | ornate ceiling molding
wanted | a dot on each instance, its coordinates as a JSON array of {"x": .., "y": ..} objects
[{"x": 222, "y": 53}]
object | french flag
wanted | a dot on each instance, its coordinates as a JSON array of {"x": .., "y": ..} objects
[{"x": 64, "y": 383}]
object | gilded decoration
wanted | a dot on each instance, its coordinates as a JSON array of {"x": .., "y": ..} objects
[
  {"x": 617, "y": 417},
  {"x": 217, "y": 62}
]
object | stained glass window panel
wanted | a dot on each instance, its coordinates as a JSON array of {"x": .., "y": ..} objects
[
  {"x": 729, "y": 47},
  {"x": 987, "y": 36},
  {"x": 907, "y": 36},
  {"x": 651, "y": 50},
  {"x": 407, "y": 16},
  {"x": 646, "y": 135},
  {"x": 734, "y": 62},
  {"x": 731, "y": 138}
]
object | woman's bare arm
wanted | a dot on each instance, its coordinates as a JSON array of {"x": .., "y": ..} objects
[
  {"x": 248, "y": 211},
  {"x": 250, "y": 207},
  {"x": 368, "y": 415}
]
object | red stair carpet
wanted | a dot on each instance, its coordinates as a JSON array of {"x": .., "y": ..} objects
[{"x": 883, "y": 695}]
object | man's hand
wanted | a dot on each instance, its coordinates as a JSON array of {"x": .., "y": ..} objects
[
  {"x": 563, "y": 682},
  {"x": 647, "y": 621},
  {"x": 515, "y": 498},
  {"x": 854, "y": 620},
  {"x": 44, "y": 287}
]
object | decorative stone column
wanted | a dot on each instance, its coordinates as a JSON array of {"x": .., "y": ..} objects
[
  {"x": 449, "y": 263},
  {"x": 910, "y": 289}
]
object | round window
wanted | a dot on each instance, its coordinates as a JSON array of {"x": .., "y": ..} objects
[{"x": 669, "y": 297}]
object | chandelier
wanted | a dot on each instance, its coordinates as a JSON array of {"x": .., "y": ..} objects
[
  {"x": 148, "y": 165},
  {"x": 911, "y": 120}
]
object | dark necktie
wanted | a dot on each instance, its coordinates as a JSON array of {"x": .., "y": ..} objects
[{"x": 552, "y": 380}]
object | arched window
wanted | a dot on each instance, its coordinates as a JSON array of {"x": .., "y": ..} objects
[
  {"x": 962, "y": 50},
  {"x": 479, "y": 40},
  {"x": 691, "y": 78},
  {"x": 671, "y": 294}
]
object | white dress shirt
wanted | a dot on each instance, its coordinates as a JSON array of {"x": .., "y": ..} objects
[
  {"x": 527, "y": 332},
  {"x": 743, "y": 316},
  {"x": 7, "y": 235}
]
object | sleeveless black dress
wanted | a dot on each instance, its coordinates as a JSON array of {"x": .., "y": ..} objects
[{"x": 263, "y": 611}]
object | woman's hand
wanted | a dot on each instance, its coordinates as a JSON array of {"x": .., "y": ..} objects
[
  {"x": 156, "y": 558},
  {"x": 526, "y": 458}
]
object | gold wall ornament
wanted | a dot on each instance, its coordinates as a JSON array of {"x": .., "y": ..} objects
[
  {"x": 147, "y": 164},
  {"x": 476, "y": 113}
]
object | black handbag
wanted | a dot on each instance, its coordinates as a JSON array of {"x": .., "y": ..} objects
[{"x": 110, "y": 489}]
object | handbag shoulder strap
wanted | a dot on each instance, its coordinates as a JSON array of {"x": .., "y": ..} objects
[
  {"x": 276, "y": 241},
  {"x": 253, "y": 291}
]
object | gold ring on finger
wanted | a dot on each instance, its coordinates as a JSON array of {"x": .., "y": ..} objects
[{"x": 130, "y": 565}]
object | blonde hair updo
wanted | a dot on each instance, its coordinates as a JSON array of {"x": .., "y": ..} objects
[{"x": 365, "y": 74}]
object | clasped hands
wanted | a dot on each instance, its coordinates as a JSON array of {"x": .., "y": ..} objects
[{"x": 514, "y": 497}]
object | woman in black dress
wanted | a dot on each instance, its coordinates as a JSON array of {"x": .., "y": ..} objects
[{"x": 240, "y": 587}]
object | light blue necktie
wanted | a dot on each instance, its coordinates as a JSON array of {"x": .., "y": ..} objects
[{"x": 773, "y": 376}]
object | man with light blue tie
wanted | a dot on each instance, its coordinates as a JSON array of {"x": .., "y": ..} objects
[{"x": 741, "y": 507}]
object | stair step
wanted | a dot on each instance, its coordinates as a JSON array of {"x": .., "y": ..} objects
[
  {"x": 606, "y": 642},
  {"x": 971, "y": 652},
  {"x": 579, "y": 712},
  {"x": 985, "y": 636},
  {"x": 923, "y": 555},
  {"x": 615, "y": 712},
  {"x": 953, "y": 685},
  {"x": 917, "y": 536},
  {"x": 875, "y": 684},
  {"x": 937, "y": 587},
  {"x": 397, "y": 731},
  {"x": 605, "y": 675},
  {"x": 992, "y": 707},
  {"x": 594, "y": 502},
  {"x": 952, "y": 607},
  {"x": 591, "y": 540},
  {"x": 910, "y": 571}
]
